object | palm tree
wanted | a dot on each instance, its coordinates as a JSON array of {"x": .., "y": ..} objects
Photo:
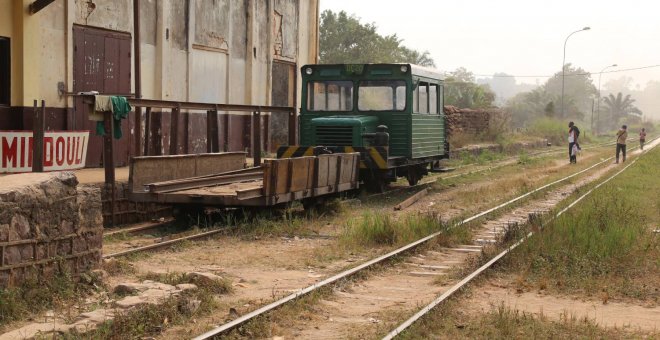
[{"x": 620, "y": 106}]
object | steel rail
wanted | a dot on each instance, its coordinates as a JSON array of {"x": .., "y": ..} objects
[
  {"x": 430, "y": 179},
  {"x": 136, "y": 227},
  {"x": 164, "y": 243},
  {"x": 488, "y": 264},
  {"x": 347, "y": 273}
]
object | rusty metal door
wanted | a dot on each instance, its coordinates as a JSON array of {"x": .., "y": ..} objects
[
  {"x": 101, "y": 62},
  {"x": 283, "y": 94}
]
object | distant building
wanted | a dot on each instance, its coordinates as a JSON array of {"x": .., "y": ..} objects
[{"x": 214, "y": 51}]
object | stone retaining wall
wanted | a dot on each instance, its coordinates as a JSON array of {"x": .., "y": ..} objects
[
  {"x": 127, "y": 211},
  {"x": 468, "y": 121},
  {"x": 47, "y": 224}
]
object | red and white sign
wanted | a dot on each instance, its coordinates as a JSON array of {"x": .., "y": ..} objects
[{"x": 63, "y": 150}]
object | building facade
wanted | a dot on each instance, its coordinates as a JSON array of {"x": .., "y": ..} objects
[{"x": 211, "y": 51}]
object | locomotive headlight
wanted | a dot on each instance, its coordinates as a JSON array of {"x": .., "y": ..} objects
[
  {"x": 308, "y": 71},
  {"x": 404, "y": 68}
]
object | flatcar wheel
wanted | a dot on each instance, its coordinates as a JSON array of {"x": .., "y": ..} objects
[{"x": 312, "y": 203}]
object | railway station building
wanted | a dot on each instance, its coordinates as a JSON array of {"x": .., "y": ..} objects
[{"x": 207, "y": 51}]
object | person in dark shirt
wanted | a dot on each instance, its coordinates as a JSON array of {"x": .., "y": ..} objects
[{"x": 573, "y": 144}]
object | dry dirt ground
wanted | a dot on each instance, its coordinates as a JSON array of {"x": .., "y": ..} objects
[
  {"x": 264, "y": 269},
  {"x": 496, "y": 293},
  {"x": 373, "y": 306}
]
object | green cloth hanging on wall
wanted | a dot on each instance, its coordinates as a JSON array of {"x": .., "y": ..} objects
[{"x": 120, "y": 110}]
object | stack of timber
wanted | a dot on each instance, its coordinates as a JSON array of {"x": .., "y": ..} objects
[{"x": 193, "y": 181}]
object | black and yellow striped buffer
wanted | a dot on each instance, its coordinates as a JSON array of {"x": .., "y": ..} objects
[{"x": 371, "y": 157}]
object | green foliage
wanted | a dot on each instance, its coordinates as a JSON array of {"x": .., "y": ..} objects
[
  {"x": 379, "y": 229},
  {"x": 545, "y": 100},
  {"x": 617, "y": 108},
  {"x": 462, "y": 91},
  {"x": 37, "y": 294},
  {"x": 148, "y": 320},
  {"x": 449, "y": 321},
  {"x": 343, "y": 39},
  {"x": 606, "y": 245},
  {"x": 554, "y": 130}
]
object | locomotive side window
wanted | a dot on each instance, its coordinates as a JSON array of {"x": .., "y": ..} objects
[
  {"x": 330, "y": 96},
  {"x": 433, "y": 99},
  {"x": 421, "y": 97},
  {"x": 382, "y": 95}
]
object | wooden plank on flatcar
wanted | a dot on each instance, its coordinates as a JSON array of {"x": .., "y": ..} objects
[
  {"x": 347, "y": 165},
  {"x": 152, "y": 169},
  {"x": 267, "y": 184},
  {"x": 322, "y": 171},
  {"x": 302, "y": 173},
  {"x": 280, "y": 175}
]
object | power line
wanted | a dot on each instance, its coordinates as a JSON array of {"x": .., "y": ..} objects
[{"x": 567, "y": 75}]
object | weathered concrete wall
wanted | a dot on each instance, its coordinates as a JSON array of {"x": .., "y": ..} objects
[
  {"x": 203, "y": 50},
  {"x": 47, "y": 224}
]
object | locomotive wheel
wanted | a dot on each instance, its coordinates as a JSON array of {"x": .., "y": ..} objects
[
  {"x": 413, "y": 176},
  {"x": 377, "y": 185}
]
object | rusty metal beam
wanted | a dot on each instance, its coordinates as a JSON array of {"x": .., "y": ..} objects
[
  {"x": 168, "y": 104},
  {"x": 147, "y": 131},
  {"x": 38, "y": 130},
  {"x": 109, "y": 163},
  {"x": 38, "y": 5},
  {"x": 200, "y": 182},
  {"x": 256, "y": 137},
  {"x": 174, "y": 130},
  {"x": 138, "y": 75}
]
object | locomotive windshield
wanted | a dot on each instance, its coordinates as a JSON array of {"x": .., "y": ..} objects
[
  {"x": 330, "y": 96},
  {"x": 382, "y": 95}
]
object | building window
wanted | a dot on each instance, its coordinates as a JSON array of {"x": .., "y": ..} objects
[{"x": 5, "y": 70}]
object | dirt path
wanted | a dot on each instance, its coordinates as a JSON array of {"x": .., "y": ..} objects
[
  {"x": 612, "y": 314},
  {"x": 366, "y": 309},
  {"x": 264, "y": 269}
]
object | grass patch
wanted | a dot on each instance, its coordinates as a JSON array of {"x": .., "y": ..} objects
[
  {"x": 449, "y": 321},
  {"x": 374, "y": 229},
  {"x": 605, "y": 246},
  {"x": 118, "y": 266},
  {"x": 149, "y": 320},
  {"x": 61, "y": 292}
]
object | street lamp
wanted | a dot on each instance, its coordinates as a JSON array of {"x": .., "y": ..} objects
[
  {"x": 563, "y": 68},
  {"x": 600, "y": 74}
]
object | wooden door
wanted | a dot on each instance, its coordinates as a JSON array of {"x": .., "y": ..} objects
[
  {"x": 283, "y": 94},
  {"x": 101, "y": 62}
]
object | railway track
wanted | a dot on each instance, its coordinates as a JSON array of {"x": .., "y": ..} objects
[
  {"x": 486, "y": 236},
  {"x": 169, "y": 240},
  {"x": 504, "y": 162},
  {"x": 453, "y": 289},
  {"x": 137, "y": 228}
]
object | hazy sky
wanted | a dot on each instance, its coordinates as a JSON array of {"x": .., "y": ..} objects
[{"x": 523, "y": 37}]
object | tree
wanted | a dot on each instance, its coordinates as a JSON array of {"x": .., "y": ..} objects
[
  {"x": 578, "y": 91},
  {"x": 462, "y": 91},
  {"x": 344, "y": 40},
  {"x": 620, "y": 106}
]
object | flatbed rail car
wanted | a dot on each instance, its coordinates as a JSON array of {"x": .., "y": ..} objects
[
  {"x": 222, "y": 180},
  {"x": 390, "y": 113}
]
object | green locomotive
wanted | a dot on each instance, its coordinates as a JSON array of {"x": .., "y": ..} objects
[{"x": 390, "y": 113}]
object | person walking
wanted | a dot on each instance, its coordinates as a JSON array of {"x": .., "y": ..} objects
[
  {"x": 621, "y": 137},
  {"x": 573, "y": 145},
  {"x": 642, "y": 138}
]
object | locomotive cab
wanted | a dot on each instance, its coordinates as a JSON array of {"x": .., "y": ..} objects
[{"x": 390, "y": 113}]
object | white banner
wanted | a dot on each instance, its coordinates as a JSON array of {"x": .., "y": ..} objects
[{"x": 63, "y": 150}]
